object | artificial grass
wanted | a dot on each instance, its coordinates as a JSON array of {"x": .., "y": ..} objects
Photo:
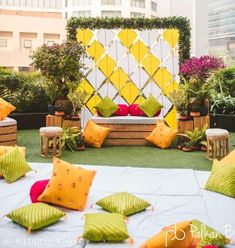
[{"x": 138, "y": 156}]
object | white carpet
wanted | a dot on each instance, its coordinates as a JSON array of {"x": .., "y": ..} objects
[{"x": 176, "y": 195}]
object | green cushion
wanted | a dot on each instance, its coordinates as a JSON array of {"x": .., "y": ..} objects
[
  {"x": 123, "y": 203},
  {"x": 150, "y": 106},
  {"x": 13, "y": 165},
  {"x": 35, "y": 216},
  {"x": 106, "y": 107},
  {"x": 222, "y": 178},
  {"x": 205, "y": 235},
  {"x": 105, "y": 227}
]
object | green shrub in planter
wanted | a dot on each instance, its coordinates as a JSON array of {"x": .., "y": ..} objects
[
  {"x": 223, "y": 81},
  {"x": 25, "y": 91}
]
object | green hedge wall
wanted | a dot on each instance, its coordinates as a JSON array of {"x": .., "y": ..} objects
[{"x": 180, "y": 23}]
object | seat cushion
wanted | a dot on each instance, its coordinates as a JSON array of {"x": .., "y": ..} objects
[
  {"x": 162, "y": 136},
  {"x": 95, "y": 135},
  {"x": 69, "y": 186},
  {"x": 106, "y": 107},
  {"x": 36, "y": 216},
  {"x": 216, "y": 132},
  {"x": 101, "y": 227},
  {"x": 150, "y": 106},
  {"x": 13, "y": 165},
  {"x": 123, "y": 203},
  {"x": 222, "y": 178},
  {"x": 126, "y": 120},
  {"x": 8, "y": 122}
]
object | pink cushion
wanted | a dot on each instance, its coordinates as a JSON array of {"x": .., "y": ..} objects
[
  {"x": 134, "y": 110},
  {"x": 37, "y": 189},
  {"x": 123, "y": 110},
  {"x": 158, "y": 113}
]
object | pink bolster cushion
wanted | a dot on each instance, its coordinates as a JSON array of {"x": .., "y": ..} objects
[
  {"x": 123, "y": 110},
  {"x": 37, "y": 189},
  {"x": 134, "y": 110}
]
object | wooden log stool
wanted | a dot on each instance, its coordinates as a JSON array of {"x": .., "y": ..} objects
[
  {"x": 51, "y": 141},
  {"x": 217, "y": 143}
]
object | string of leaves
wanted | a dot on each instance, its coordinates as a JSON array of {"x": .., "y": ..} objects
[{"x": 174, "y": 22}]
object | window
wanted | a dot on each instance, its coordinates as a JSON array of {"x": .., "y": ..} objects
[
  {"x": 82, "y": 13},
  {"x": 66, "y": 15},
  {"x": 27, "y": 43},
  {"x": 111, "y": 2},
  {"x": 3, "y": 42},
  {"x": 24, "y": 68},
  {"x": 81, "y": 2},
  {"x": 50, "y": 42},
  {"x": 153, "y": 6},
  {"x": 111, "y": 13},
  {"x": 137, "y": 14},
  {"x": 138, "y": 3}
]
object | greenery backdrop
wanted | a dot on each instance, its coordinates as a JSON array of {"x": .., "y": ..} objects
[{"x": 180, "y": 23}]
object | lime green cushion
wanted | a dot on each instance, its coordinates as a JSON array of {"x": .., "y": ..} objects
[
  {"x": 106, "y": 107},
  {"x": 105, "y": 227},
  {"x": 35, "y": 216},
  {"x": 123, "y": 203},
  {"x": 150, "y": 106},
  {"x": 205, "y": 235},
  {"x": 13, "y": 165},
  {"x": 222, "y": 178}
]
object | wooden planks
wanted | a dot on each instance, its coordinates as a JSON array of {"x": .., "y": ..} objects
[
  {"x": 195, "y": 122},
  {"x": 72, "y": 123},
  {"x": 8, "y": 135},
  {"x": 58, "y": 121},
  {"x": 128, "y": 134},
  {"x": 53, "y": 120}
]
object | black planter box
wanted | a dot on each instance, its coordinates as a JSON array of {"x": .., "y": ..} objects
[
  {"x": 223, "y": 121},
  {"x": 29, "y": 120}
]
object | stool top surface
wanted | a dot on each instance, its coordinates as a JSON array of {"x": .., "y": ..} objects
[
  {"x": 216, "y": 132},
  {"x": 50, "y": 130}
]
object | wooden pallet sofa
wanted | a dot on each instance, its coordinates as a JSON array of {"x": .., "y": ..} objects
[
  {"x": 127, "y": 130},
  {"x": 8, "y": 132}
]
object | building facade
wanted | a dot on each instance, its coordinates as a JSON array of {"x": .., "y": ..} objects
[
  {"x": 22, "y": 30},
  {"x": 109, "y": 8},
  {"x": 221, "y": 27}
]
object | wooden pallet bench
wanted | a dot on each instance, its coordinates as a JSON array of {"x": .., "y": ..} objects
[
  {"x": 127, "y": 131},
  {"x": 8, "y": 132}
]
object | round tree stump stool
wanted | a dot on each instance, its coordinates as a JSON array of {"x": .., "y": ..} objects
[
  {"x": 217, "y": 143},
  {"x": 50, "y": 141}
]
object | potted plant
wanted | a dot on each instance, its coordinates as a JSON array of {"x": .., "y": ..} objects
[
  {"x": 51, "y": 91},
  {"x": 195, "y": 137},
  {"x": 195, "y": 72},
  {"x": 60, "y": 63},
  {"x": 187, "y": 146},
  {"x": 80, "y": 142},
  {"x": 69, "y": 138},
  {"x": 179, "y": 98},
  {"x": 77, "y": 98},
  {"x": 223, "y": 98},
  {"x": 195, "y": 106}
]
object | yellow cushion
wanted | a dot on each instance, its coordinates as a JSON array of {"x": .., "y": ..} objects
[
  {"x": 174, "y": 236},
  {"x": 6, "y": 149},
  {"x": 69, "y": 185},
  {"x": 5, "y": 109},
  {"x": 230, "y": 158},
  {"x": 95, "y": 135},
  {"x": 162, "y": 135}
]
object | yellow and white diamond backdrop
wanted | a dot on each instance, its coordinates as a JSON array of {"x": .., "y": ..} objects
[{"x": 128, "y": 65}]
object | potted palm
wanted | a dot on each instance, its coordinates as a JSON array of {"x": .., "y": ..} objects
[
  {"x": 51, "y": 91},
  {"x": 180, "y": 100}
]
